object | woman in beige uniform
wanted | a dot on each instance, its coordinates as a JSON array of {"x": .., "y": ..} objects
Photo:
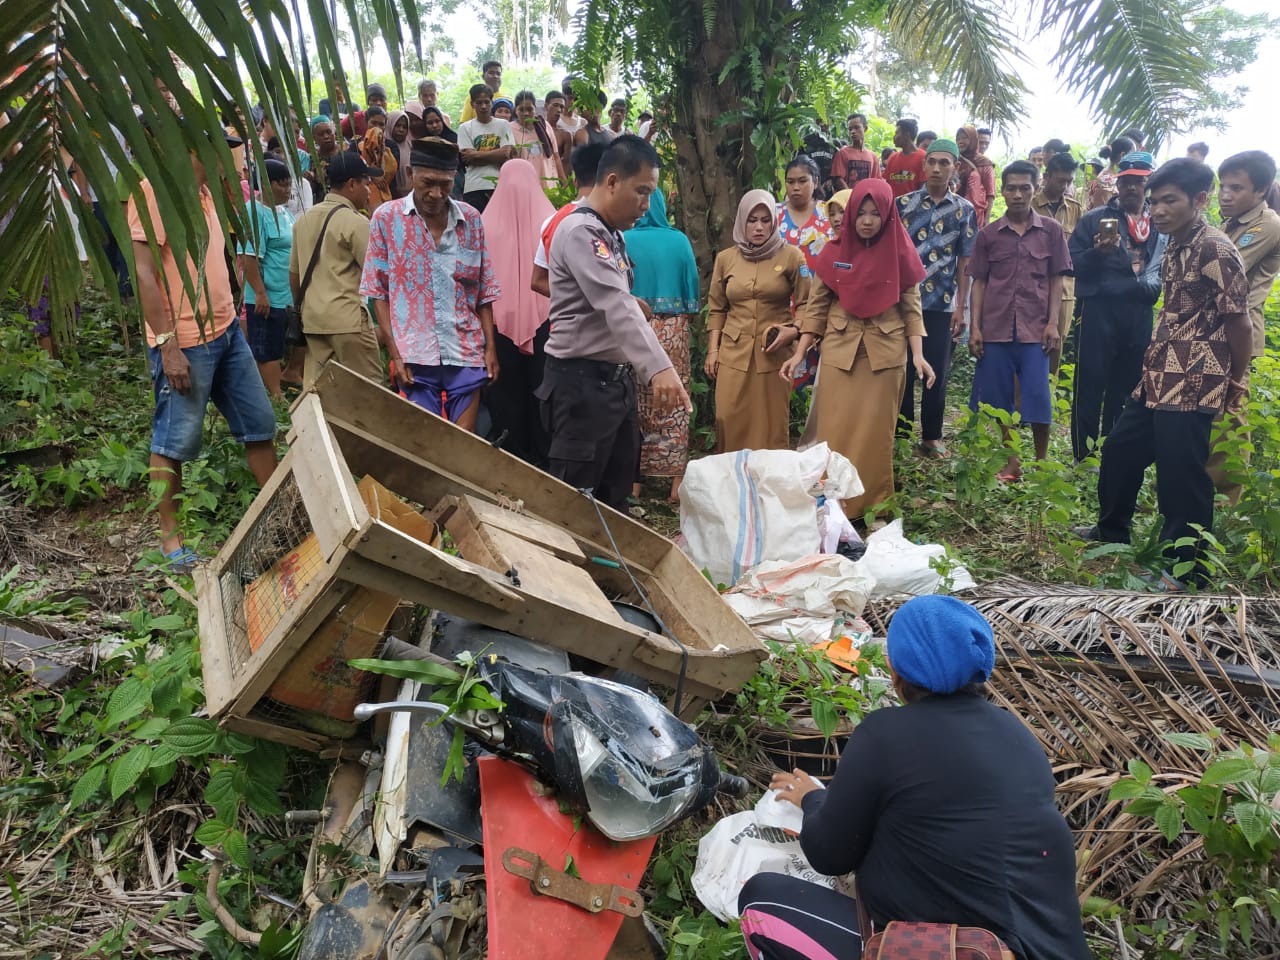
[
  {"x": 750, "y": 327},
  {"x": 865, "y": 307}
]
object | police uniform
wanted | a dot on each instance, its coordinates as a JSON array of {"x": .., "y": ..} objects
[{"x": 598, "y": 337}]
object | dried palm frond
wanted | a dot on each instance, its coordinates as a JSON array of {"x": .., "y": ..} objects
[{"x": 1100, "y": 677}]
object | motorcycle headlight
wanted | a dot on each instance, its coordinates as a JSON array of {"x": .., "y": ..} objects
[{"x": 624, "y": 801}]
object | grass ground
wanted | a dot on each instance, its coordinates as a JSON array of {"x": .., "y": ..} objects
[{"x": 96, "y": 799}]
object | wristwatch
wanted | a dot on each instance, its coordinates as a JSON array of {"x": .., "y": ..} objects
[{"x": 163, "y": 338}]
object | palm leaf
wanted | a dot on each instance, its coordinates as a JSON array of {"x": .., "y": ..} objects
[
  {"x": 83, "y": 77},
  {"x": 1134, "y": 61},
  {"x": 968, "y": 44}
]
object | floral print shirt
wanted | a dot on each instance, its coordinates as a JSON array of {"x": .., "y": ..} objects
[
  {"x": 433, "y": 291},
  {"x": 810, "y": 236}
]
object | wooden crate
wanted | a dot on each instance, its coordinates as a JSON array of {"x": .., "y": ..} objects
[
  {"x": 348, "y": 426},
  {"x": 425, "y": 459},
  {"x": 278, "y": 623}
]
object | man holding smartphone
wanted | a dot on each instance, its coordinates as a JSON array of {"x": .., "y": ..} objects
[{"x": 1116, "y": 254}]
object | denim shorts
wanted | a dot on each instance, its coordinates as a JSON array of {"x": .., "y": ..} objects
[
  {"x": 223, "y": 371},
  {"x": 266, "y": 334},
  {"x": 993, "y": 380}
]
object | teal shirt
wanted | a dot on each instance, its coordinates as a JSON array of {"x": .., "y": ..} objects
[{"x": 274, "y": 236}]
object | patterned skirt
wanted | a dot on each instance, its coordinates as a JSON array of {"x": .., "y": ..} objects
[{"x": 664, "y": 448}]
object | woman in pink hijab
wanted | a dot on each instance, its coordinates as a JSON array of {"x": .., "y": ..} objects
[{"x": 512, "y": 226}]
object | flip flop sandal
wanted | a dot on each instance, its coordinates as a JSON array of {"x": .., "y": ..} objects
[
  {"x": 939, "y": 452},
  {"x": 182, "y": 560},
  {"x": 1006, "y": 477}
]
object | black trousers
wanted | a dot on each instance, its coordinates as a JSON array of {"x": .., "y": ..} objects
[
  {"x": 786, "y": 918},
  {"x": 933, "y": 400},
  {"x": 517, "y": 415},
  {"x": 1178, "y": 444},
  {"x": 1111, "y": 338},
  {"x": 478, "y": 198},
  {"x": 594, "y": 427}
]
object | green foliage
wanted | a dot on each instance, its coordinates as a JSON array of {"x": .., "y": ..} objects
[
  {"x": 997, "y": 528},
  {"x": 1231, "y": 809},
  {"x": 461, "y": 690},
  {"x": 798, "y": 682}
]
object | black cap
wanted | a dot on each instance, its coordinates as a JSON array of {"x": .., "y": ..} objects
[
  {"x": 349, "y": 165},
  {"x": 277, "y": 169},
  {"x": 435, "y": 153}
]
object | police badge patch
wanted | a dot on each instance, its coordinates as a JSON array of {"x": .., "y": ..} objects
[{"x": 601, "y": 249}]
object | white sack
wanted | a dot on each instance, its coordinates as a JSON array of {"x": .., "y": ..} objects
[
  {"x": 740, "y": 509},
  {"x": 805, "y": 600},
  {"x": 899, "y": 567},
  {"x": 763, "y": 840}
]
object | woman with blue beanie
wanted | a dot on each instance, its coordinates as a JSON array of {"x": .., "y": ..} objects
[{"x": 944, "y": 807}]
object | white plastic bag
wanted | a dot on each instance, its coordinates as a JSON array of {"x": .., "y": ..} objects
[
  {"x": 899, "y": 567},
  {"x": 739, "y": 509},
  {"x": 805, "y": 600},
  {"x": 763, "y": 840}
]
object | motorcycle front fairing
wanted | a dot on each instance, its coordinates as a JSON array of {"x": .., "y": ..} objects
[{"x": 614, "y": 752}]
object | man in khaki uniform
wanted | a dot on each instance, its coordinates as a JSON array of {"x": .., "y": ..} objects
[
  {"x": 1052, "y": 201},
  {"x": 333, "y": 314},
  {"x": 1243, "y": 182}
]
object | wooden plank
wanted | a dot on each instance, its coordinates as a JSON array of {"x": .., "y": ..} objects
[
  {"x": 261, "y": 502},
  {"x": 528, "y": 528},
  {"x": 471, "y": 546},
  {"x": 215, "y": 654},
  {"x": 319, "y": 599},
  {"x": 544, "y": 576},
  {"x": 328, "y": 490},
  {"x": 419, "y": 575},
  {"x": 700, "y": 604},
  {"x": 389, "y": 547},
  {"x": 290, "y": 736},
  {"x": 467, "y": 464}
]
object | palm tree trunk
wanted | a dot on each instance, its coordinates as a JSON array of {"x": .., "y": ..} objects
[{"x": 712, "y": 170}]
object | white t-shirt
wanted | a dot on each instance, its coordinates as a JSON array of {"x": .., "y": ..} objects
[
  {"x": 474, "y": 135},
  {"x": 540, "y": 255},
  {"x": 571, "y": 126}
]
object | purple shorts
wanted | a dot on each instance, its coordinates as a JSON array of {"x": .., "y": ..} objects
[{"x": 445, "y": 388}]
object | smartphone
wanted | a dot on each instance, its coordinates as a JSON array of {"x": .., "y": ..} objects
[
  {"x": 770, "y": 336},
  {"x": 1109, "y": 229}
]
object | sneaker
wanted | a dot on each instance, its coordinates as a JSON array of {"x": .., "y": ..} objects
[{"x": 1089, "y": 534}]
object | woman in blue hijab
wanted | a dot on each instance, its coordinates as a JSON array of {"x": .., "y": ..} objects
[{"x": 666, "y": 282}]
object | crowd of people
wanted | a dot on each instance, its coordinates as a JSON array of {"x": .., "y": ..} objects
[{"x": 565, "y": 335}]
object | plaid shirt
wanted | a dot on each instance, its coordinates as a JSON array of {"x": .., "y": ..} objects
[
  {"x": 432, "y": 292},
  {"x": 1188, "y": 364}
]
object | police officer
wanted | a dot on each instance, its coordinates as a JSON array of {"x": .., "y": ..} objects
[{"x": 599, "y": 335}]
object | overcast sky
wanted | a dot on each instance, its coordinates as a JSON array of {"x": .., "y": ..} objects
[{"x": 1058, "y": 113}]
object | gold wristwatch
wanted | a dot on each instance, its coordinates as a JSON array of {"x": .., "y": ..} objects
[{"x": 163, "y": 338}]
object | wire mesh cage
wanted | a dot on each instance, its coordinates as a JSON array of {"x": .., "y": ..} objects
[{"x": 281, "y": 623}]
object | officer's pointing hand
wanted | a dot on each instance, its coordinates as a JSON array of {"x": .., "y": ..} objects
[{"x": 668, "y": 392}]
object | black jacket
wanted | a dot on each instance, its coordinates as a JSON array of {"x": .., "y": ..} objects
[
  {"x": 945, "y": 808},
  {"x": 1111, "y": 275}
]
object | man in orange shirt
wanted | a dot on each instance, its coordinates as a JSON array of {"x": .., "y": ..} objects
[
  {"x": 197, "y": 354},
  {"x": 905, "y": 169},
  {"x": 854, "y": 162}
]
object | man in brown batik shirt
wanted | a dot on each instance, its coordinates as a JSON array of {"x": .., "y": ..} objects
[{"x": 1195, "y": 367}]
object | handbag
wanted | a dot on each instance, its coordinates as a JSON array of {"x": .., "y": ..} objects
[
  {"x": 294, "y": 334},
  {"x": 900, "y": 940},
  {"x": 934, "y": 941}
]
